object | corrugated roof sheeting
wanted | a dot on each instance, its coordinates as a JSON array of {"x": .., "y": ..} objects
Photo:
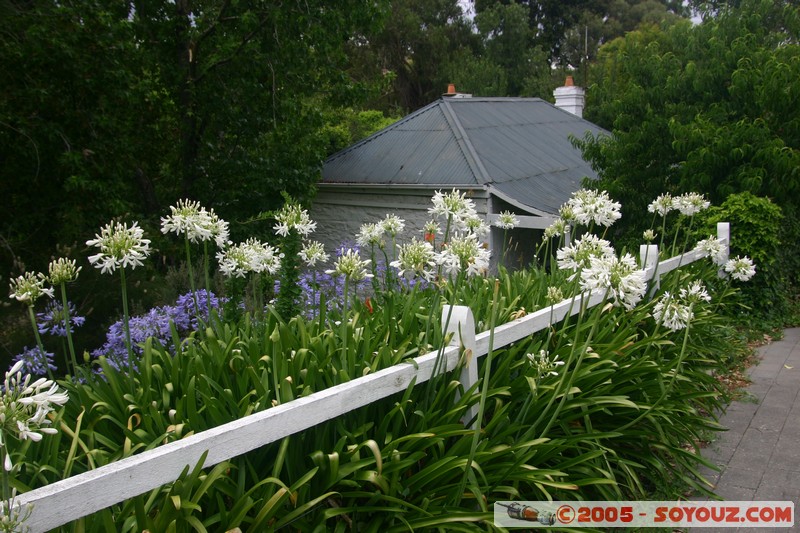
[{"x": 519, "y": 146}]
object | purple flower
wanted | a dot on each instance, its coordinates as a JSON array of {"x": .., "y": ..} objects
[
  {"x": 33, "y": 363},
  {"x": 53, "y": 319},
  {"x": 157, "y": 324}
]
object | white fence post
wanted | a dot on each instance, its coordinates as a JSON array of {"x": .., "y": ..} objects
[
  {"x": 648, "y": 258},
  {"x": 458, "y": 319},
  {"x": 724, "y": 232}
]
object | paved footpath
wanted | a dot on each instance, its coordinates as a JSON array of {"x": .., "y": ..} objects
[{"x": 759, "y": 457}]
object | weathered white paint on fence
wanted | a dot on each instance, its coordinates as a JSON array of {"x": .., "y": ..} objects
[{"x": 81, "y": 495}]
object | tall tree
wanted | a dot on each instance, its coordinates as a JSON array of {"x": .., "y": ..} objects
[{"x": 122, "y": 107}]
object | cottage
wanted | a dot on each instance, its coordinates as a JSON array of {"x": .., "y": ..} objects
[{"x": 506, "y": 153}]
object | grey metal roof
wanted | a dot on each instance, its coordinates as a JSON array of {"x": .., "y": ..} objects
[{"x": 516, "y": 148}]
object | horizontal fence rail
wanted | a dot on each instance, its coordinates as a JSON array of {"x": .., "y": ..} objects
[{"x": 81, "y": 495}]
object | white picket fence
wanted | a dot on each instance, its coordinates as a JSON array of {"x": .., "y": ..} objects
[{"x": 81, "y": 495}]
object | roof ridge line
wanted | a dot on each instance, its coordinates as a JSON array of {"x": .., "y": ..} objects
[{"x": 471, "y": 155}]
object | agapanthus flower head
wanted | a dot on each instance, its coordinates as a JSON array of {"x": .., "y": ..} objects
[
  {"x": 649, "y": 235},
  {"x": 212, "y": 227},
  {"x": 578, "y": 254},
  {"x": 183, "y": 218},
  {"x": 263, "y": 257},
  {"x": 554, "y": 295},
  {"x": 393, "y": 225},
  {"x": 371, "y": 234},
  {"x": 713, "y": 248},
  {"x": 593, "y": 207},
  {"x": 740, "y": 268},
  {"x": 567, "y": 214},
  {"x": 34, "y": 362},
  {"x": 234, "y": 261},
  {"x": 415, "y": 259},
  {"x": 350, "y": 265},
  {"x": 622, "y": 278},
  {"x": 475, "y": 225},
  {"x": 292, "y": 216},
  {"x": 453, "y": 205},
  {"x": 313, "y": 252},
  {"x": 464, "y": 253},
  {"x": 53, "y": 319},
  {"x": 506, "y": 220},
  {"x": 690, "y": 203},
  {"x": 62, "y": 270},
  {"x": 24, "y": 404},
  {"x": 543, "y": 364},
  {"x": 694, "y": 293},
  {"x": 556, "y": 229},
  {"x": 662, "y": 205},
  {"x": 120, "y": 246},
  {"x": 672, "y": 313},
  {"x": 29, "y": 287}
]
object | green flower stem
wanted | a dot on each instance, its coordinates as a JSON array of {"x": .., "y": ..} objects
[
  {"x": 207, "y": 278},
  {"x": 126, "y": 323},
  {"x": 6, "y": 474},
  {"x": 668, "y": 389},
  {"x": 39, "y": 344},
  {"x": 191, "y": 276},
  {"x": 68, "y": 329},
  {"x": 345, "y": 320}
]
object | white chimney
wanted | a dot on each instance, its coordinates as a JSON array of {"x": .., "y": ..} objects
[{"x": 570, "y": 98}]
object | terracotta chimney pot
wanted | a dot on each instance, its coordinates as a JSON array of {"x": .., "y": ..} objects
[{"x": 570, "y": 82}]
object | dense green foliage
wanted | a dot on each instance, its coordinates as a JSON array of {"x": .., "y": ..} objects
[
  {"x": 622, "y": 416},
  {"x": 113, "y": 109},
  {"x": 708, "y": 108}
]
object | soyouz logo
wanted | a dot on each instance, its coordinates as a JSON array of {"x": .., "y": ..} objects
[{"x": 755, "y": 514}]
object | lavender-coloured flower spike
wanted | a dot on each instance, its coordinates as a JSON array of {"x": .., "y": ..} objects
[
  {"x": 53, "y": 319},
  {"x": 34, "y": 363}
]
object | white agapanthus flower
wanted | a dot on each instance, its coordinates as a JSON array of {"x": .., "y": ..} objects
[
  {"x": 672, "y": 313},
  {"x": 182, "y": 219},
  {"x": 454, "y": 204},
  {"x": 24, "y": 405},
  {"x": 543, "y": 364},
  {"x": 625, "y": 282},
  {"x": 211, "y": 227},
  {"x": 464, "y": 253},
  {"x": 649, "y": 235},
  {"x": 313, "y": 252},
  {"x": 506, "y": 220},
  {"x": 371, "y": 234},
  {"x": 713, "y": 248},
  {"x": 250, "y": 256},
  {"x": 740, "y": 268},
  {"x": 577, "y": 255},
  {"x": 554, "y": 295},
  {"x": 293, "y": 217},
  {"x": 556, "y": 229},
  {"x": 190, "y": 219},
  {"x": 62, "y": 270},
  {"x": 695, "y": 293},
  {"x": 415, "y": 259},
  {"x": 29, "y": 287},
  {"x": 690, "y": 203},
  {"x": 475, "y": 225},
  {"x": 234, "y": 261},
  {"x": 662, "y": 205},
  {"x": 120, "y": 246},
  {"x": 393, "y": 225},
  {"x": 350, "y": 265},
  {"x": 263, "y": 257},
  {"x": 592, "y": 207}
]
